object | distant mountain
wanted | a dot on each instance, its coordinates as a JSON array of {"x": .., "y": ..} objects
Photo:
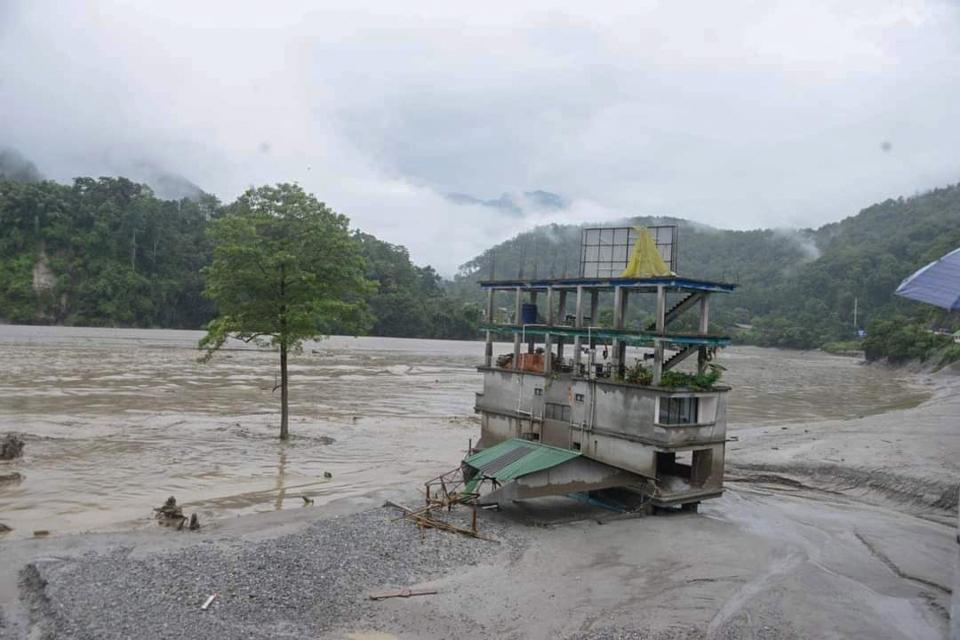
[
  {"x": 797, "y": 287},
  {"x": 167, "y": 185},
  {"x": 14, "y": 167},
  {"x": 504, "y": 203}
]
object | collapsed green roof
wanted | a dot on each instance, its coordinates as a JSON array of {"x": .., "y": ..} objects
[{"x": 514, "y": 458}]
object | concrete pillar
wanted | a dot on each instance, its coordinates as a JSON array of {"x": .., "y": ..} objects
[
  {"x": 657, "y": 362},
  {"x": 578, "y": 323},
  {"x": 617, "y": 324},
  {"x": 617, "y": 308},
  {"x": 705, "y": 314},
  {"x": 621, "y": 347},
  {"x": 517, "y": 320},
  {"x": 531, "y": 342},
  {"x": 661, "y": 308},
  {"x": 547, "y": 354},
  {"x": 551, "y": 314},
  {"x": 704, "y": 329},
  {"x": 561, "y": 319},
  {"x": 488, "y": 349},
  {"x": 661, "y": 324},
  {"x": 594, "y": 307}
]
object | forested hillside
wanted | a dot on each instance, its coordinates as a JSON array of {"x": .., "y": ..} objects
[
  {"x": 108, "y": 252},
  {"x": 102, "y": 253},
  {"x": 797, "y": 288}
]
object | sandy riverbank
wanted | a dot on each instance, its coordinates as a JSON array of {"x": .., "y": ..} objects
[{"x": 834, "y": 529}]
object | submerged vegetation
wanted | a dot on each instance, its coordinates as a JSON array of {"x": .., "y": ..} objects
[{"x": 284, "y": 268}]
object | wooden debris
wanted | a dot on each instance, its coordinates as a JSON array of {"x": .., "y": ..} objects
[
  {"x": 402, "y": 593},
  {"x": 424, "y": 520},
  {"x": 41, "y": 533},
  {"x": 5, "y": 529},
  {"x": 306, "y": 501},
  {"x": 208, "y": 602}
]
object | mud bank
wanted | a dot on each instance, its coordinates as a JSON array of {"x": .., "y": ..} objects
[
  {"x": 908, "y": 459},
  {"x": 833, "y": 529}
]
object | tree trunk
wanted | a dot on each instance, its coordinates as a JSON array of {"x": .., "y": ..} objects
[{"x": 284, "y": 412}]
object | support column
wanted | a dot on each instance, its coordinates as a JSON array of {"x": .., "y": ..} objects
[
  {"x": 657, "y": 362},
  {"x": 578, "y": 323},
  {"x": 517, "y": 320},
  {"x": 704, "y": 330},
  {"x": 594, "y": 307},
  {"x": 547, "y": 342},
  {"x": 618, "y": 307},
  {"x": 531, "y": 342},
  {"x": 488, "y": 349},
  {"x": 547, "y": 354},
  {"x": 621, "y": 345},
  {"x": 661, "y": 323},
  {"x": 615, "y": 362},
  {"x": 561, "y": 319},
  {"x": 661, "y": 308}
]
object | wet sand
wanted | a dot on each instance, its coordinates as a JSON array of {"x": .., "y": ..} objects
[{"x": 832, "y": 526}]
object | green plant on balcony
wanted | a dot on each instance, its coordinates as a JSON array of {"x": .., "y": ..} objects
[
  {"x": 641, "y": 375},
  {"x": 696, "y": 381}
]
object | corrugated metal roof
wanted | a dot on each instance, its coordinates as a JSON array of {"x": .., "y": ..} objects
[{"x": 515, "y": 458}]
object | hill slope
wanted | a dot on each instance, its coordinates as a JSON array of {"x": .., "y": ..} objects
[{"x": 797, "y": 288}]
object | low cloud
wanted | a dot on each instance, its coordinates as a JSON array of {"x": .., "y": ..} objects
[{"x": 757, "y": 115}]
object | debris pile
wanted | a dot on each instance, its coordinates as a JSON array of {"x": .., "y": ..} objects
[
  {"x": 170, "y": 514},
  {"x": 11, "y": 447}
]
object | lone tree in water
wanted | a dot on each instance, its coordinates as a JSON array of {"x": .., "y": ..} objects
[{"x": 285, "y": 269}]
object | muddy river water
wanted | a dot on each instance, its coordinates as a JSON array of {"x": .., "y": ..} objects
[{"x": 116, "y": 420}]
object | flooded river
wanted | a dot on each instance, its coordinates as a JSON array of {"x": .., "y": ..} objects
[{"x": 116, "y": 420}]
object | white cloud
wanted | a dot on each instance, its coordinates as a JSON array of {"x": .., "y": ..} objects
[{"x": 733, "y": 114}]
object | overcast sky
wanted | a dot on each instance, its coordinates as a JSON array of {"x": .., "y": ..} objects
[{"x": 739, "y": 115}]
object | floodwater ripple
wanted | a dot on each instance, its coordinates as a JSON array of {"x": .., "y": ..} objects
[{"x": 117, "y": 419}]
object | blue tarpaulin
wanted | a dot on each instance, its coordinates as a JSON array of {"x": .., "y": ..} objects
[{"x": 938, "y": 283}]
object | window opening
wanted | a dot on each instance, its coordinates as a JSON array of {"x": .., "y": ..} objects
[{"x": 679, "y": 410}]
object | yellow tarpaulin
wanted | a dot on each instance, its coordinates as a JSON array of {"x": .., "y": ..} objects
[{"x": 645, "y": 261}]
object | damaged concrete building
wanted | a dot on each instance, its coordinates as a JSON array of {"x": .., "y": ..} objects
[{"x": 582, "y": 405}]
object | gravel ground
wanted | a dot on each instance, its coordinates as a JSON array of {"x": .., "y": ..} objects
[
  {"x": 617, "y": 633},
  {"x": 295, "y": 586}
]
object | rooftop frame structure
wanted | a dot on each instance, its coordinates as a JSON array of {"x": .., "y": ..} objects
[{"x": 557, "y": 326}]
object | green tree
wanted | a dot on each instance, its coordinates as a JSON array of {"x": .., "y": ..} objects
[{"x": 285, "y": 269}]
